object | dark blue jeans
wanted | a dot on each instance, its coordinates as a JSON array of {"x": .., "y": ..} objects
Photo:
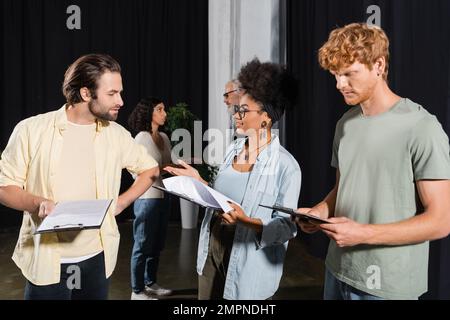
[
  {"x": 149, "y": 232},
  {"x": 85, "y": 280}
]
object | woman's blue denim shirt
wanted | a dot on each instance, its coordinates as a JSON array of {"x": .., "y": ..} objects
[{"x": 256, "y": 261}]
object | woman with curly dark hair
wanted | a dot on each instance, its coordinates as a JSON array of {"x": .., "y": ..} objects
[
  {"x": 241, "y": 252},
  {"x": 151, "y": 209}
]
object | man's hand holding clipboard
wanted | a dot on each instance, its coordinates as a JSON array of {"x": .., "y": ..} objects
[
  {"x": 306, "y": 218},
  {"x": 307, "y": 226}
]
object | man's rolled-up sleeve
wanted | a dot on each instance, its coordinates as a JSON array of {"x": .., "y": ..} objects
[
  {"x": 135, "y": 157},
  {"x": 15, "y": 158}
]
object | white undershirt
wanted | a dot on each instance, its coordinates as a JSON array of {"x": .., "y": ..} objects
[{"x": 75, "y": 180}]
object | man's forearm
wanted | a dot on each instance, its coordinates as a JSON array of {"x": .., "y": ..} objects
[
  {"x": 421, "y": 228},
  {"x": 142, "y": 183},
  {"x": 19, "y": 199}
]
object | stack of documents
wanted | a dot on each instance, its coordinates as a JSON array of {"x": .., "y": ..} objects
[{"x": 193, "y": 190}]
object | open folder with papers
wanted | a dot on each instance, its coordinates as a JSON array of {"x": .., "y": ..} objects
[
  {"x": 193, "y": 190},
  {"x": 302, "y": 216},
  {"x": 75, "y": 215}
]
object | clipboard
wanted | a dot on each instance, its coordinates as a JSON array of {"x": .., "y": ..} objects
[
  {"x": 302, "y": 216},
  {"x": 182, "y": 196},
  {"x": 95, "y": 221}
]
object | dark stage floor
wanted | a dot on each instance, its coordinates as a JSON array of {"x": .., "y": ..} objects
[{"x": 302, "y": 279}]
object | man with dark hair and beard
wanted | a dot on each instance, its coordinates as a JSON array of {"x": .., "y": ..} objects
[{"x": 75, "y": 153}]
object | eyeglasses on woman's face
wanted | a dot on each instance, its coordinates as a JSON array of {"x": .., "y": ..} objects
[{"x": 241, "y": 110}]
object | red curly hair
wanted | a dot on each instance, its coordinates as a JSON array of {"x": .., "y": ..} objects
[{"x": 355, "y": 42}]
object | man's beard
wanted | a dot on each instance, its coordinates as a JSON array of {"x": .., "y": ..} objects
[
  {"x": 93, "y": 108},
  {"x": 358, "y": 99},
  {"x": 354, "y": 102}
]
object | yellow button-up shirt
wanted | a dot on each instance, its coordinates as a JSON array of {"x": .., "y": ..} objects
[{"x": 30, "y": 161}]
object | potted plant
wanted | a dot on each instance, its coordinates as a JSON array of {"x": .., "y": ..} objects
[{"x": 180, "y": 117}]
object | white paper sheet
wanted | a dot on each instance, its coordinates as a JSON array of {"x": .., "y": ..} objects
[
  {"x": 75, "y": 214},
  {"x": 198, "y": 192}
]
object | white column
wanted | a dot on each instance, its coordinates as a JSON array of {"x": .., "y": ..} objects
[
  {"x": 239, "y": 30},
  {"x": 258, "y": 29},
  {"x": 220, "y": 61}
]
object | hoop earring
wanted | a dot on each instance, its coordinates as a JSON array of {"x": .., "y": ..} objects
[{"x": 263, "y": 133}]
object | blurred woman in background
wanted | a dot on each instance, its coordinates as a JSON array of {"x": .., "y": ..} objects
[{"x": 151, "y": 210}]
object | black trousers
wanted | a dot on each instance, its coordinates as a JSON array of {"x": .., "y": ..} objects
[
  {"x": 211, "y": 283},
  {"x": 85, "y": 280}
]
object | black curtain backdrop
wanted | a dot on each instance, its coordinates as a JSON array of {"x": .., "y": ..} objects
[
  {"x": 419, "y": 69},
  {"x": 162, "y": 46}
]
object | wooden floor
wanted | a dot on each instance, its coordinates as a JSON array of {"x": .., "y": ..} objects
[{"x": 302, "y": 279}]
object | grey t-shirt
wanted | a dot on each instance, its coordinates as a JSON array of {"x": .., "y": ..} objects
[{"x": 379, "y": 159}]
